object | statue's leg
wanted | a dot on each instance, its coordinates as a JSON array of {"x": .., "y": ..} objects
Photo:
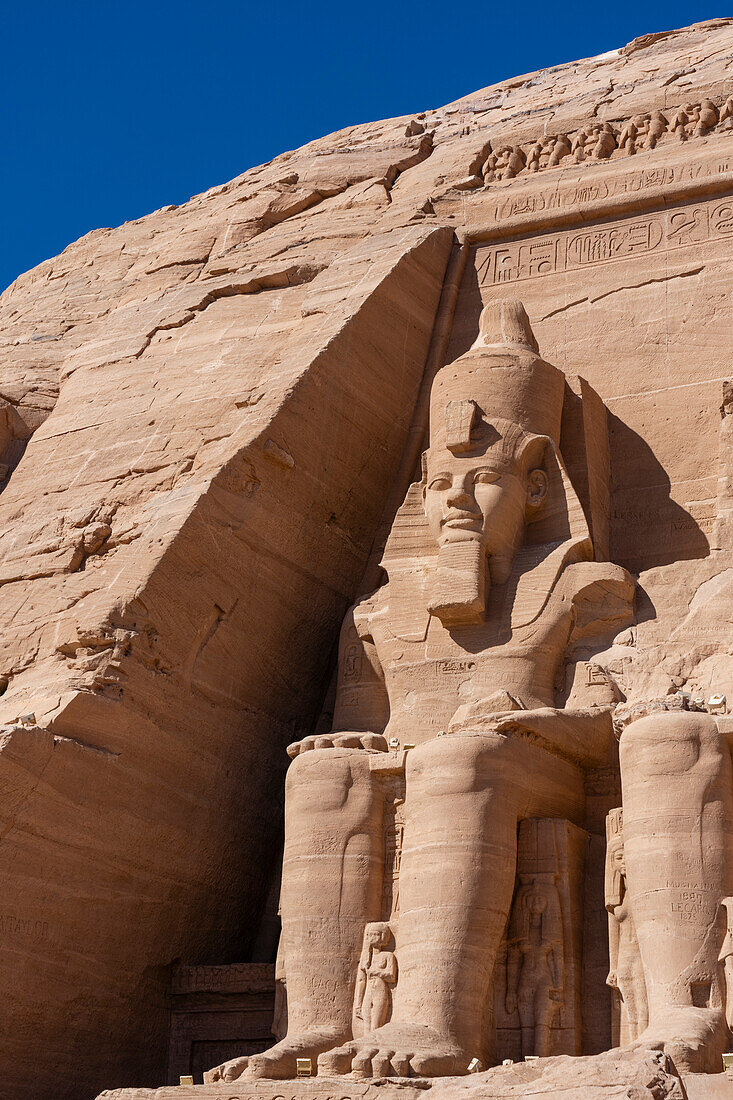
[
  {"x": 379, "y": 1004},
  {"x": 631, "y": 982},
  {"x": 464, "y": 796},
  {"x": 678, "y": 844},
  {"x": 545, "y": 1013},
  {"x": 331, "y": 887},
  {"x": 525, "y": 1008}
]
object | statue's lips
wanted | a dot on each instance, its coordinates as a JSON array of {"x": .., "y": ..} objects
[{"x": 464, "y": 523}]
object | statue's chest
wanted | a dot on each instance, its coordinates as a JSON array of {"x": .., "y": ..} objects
[{"x": 427, "y": 679}]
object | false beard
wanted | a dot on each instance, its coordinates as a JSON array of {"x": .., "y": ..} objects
[{"x": 461, "y": 583}]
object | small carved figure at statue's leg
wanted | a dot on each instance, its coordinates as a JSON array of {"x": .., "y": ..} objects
[
  {"x": 464, "y": 795},
  {"x": 678, "y": 839},
  {"x": 332, "y": 872}
]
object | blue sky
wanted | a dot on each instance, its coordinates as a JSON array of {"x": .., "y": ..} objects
[{"x": 113, "y": 109}]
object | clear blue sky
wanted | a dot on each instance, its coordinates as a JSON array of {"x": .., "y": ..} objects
[{"x": 113, "y": 109}]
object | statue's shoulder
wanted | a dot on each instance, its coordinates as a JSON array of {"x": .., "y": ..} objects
[
  {"x": 594, "y": 579},
  {"x": 602, "y": 594},
  {"x": 366, "y": 607}
]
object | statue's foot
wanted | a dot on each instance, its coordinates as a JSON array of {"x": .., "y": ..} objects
[
  {"x": 227, "y": 1071},
  {"x": 396, "y": 1051},
  {"x": 694, "y": 1038},
  {"x": 280, "y": 1061}
]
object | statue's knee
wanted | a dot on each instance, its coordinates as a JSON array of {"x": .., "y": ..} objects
[
  {"x": 321, "y": 779},
  {"x": 457, "y": 763},
  {"x": 669, "y": 742}
]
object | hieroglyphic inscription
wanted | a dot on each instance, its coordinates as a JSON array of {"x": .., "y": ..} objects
[
  {"x": 570, "y": 196},
  {"x": 514, "y": 261}
]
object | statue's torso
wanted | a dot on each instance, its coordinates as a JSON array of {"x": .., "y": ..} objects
[{"x": 428, "y": 679}]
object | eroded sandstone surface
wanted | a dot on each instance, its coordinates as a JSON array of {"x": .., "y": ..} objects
[{"x": 211, "y": 417}]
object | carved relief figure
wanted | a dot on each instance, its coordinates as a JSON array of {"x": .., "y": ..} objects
[
  {"x": 633, "y": 133},
  {"x": 680, "y": 122},
  {"x": 280, "y": 1016},
  {"x": 626, "y": 974},
  {"x": 657, "y": 127},
  {"x": 491, "y": 582},
  {"x": 560, "y": 147},
  {"x": 392, "y": 856},
  {"x": 726, "y": 958},
  {"x": 376, "y": 975},
  {"x": 726, "y": 112},
  {"x": 535, "y": 963},
  {"x": 605, "y": 141},
  {"x": 610, "y": 139},
  {"x": 707, "y": 118}
]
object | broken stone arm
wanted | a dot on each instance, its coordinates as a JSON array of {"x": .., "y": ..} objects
[{"x": 580, "y": 734}]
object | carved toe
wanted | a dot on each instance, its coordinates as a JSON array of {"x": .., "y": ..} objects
[
  {"x": 401, "y": 1064},
  {"x": 335, "y": 1063},
  {"x": 381, "y": 1064},
  {"x": 362, "y": 1064},
  {"x": 434, "y": 1065}
]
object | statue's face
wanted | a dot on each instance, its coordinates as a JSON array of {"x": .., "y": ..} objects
[
  {"x": 376, "y": 937},
  {"x": 537, "y": 903},
  {"x": 618, "y": 860},
  {"x": 466, "y": 498}
]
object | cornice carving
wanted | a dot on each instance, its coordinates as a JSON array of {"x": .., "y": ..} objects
[{"x": 604, "y": 141}]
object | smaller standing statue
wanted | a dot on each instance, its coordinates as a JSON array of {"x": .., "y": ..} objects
[
  {"x": 535, "y": 963},
  {"x": 626, "y": 974},
  {"x": 726, "y": 958},
  {"x": 376, "y": 975},
  {"x": 280, "y": 1017}
]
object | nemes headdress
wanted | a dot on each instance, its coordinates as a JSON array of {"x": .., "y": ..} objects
[{"x": 501, "y": 392}]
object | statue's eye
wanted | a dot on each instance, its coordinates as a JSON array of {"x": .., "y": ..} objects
[
  {"x": 485, "y": 477},
  {"x": 440, "y": 483}
]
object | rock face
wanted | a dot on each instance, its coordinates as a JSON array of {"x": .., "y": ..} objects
[
  {"x": 212, "y": 419},
  {"x": 616, "y": 1075}
]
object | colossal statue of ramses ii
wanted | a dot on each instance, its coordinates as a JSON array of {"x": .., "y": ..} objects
[{"x": 457, "y": 716}]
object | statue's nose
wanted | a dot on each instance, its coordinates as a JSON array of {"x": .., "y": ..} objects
[{"x": 458, "y": 495}]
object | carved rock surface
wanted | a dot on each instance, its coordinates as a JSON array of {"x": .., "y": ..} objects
[
  {"x": 616, "y": 1075},
  {"x": 203, "y": 414}
]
